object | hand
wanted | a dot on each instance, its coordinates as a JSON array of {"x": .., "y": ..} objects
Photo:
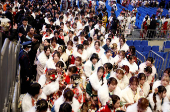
[
  {"x": 20, "y": 34},
  {"x": 15, "y": 26},
  {"x": 141, "y": 92}
]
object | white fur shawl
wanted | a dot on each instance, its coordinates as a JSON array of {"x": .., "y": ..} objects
[
  {"x": 42, "y": 58},
  {"x": 49, "y": 88},
  {"x": 158, "y": 103},
  {"x": 103, "y": 93},
  {"x": 134, "y": 108},
  {"x": 83, "y": 56},
  {"x": 94, "y": 81},
  {"x": 59, "y": 101}
]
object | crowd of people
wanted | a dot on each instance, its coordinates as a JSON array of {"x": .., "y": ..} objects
[{"x": 73, "y": 62}]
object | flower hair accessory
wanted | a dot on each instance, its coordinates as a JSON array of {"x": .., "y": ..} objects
[{"x": 53, "y": 77}]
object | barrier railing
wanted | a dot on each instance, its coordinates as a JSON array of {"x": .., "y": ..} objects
[
  {"x": 149, "y": 34},
  {"x": 159, "y": 63},
  {"x": 8, "y": 70},
  {"x": 167, "y": 61},
  {"x": 140, "y": 56}
]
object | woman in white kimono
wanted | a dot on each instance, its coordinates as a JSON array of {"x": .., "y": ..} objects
[
  {"x": 67, "y": 97},
  {"x": 79, "y": 51},
  {"x": 62, "y": 51},
  {"x": 41, "y": 106},
  {"x": 108, "y": 89},
  {"x": 149, "y": 77},
  {"x": 69, "y": 49},
  {"x": 91, "y": 65},
  {"x": 97, "y": 49},
  {"x": 42, "y": 59},
  {"x": 30, "y": 99},
  {"x": 145, "y": 87},
  {"x": 157, "y": 99},
  {"x": 121, "y": 78},
  {"x": 133, "y": 67},
  {"x": 120, "y": 59},
  {"x": 164, "y": 82},
  {"x": 54, "y": 43},
  {"x": 122, "y": 45},
  {"x": 48, "y": 35},
  {"x": 141, "y": 106},
  {"x": 94, "y": 85},
  {"x": 149, "y": 62},
  {"x": 50, "y": 85},
  {"x": 106, "y": 58},
  {"x": 132, "y": 93}
]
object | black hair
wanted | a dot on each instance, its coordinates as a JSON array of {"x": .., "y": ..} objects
[
  {"x": 46, "y": 47},
  {"x": 56, "y": 32},
  {"x": 75, "y": 76},
  {"x": 68, "y": 94},
  {"x": 48, "y": 40},
  {"x": 161, "y": 89},
  {"x": 150, "y": 59},
  {"x": 85, "y": 42},
  {"x": 132, "y": 50},
  {"x": 101, "y": 68},
  {"x": 148, "y": 69},
  {"x": 76, "y": 38},
  {"x": 94, "y": 56},
  {"x": 97, "y": 42},
  {"x": 60, "y": 64},
  {"x": 41, "y": 105},
  {"x": 58, "y": 54},
  {"x": 130, "y": 57},
  {"x": 80, "y": 46},
  {"x": 109, "y": 39},
  {"x": 34, "y": 89},
  {"x": 140, "y": 75},
  {"x": 65, "y": 107},
  {"x": 112, "y": 81},
  {"x": 72, "y": 69},
  {"x": 108, "y": 66}
]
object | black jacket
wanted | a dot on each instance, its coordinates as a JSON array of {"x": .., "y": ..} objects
[
  {"x": 21, "y": 30},
  {"x": 33, "y": 51},
  {"x": 60, "y": 41}
]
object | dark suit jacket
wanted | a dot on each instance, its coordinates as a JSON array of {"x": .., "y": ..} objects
[
  {"x": 21, "y": 30},
  {"x": 60, "y": 41},
  {"x": 153, "y": 24}
]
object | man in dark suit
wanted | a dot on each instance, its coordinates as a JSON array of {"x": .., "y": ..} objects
[
  {"x": 26, "y": 71},
  {"x": 24, "y": 29},
  {"x": 152, "y": 27},
  {"x": 90, "y": 26},
  {"x": 99, "y": 14},
  {"x": 59, "y": 40}
]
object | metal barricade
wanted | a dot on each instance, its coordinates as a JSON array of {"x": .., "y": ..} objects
[
  {"x": 167, "y": 61},
  {"x": 149, "y": 34},
  {"x": 8, "y": 71},
  {"x": 159, "y": 63},
  {"x": 140, "y": 56}
]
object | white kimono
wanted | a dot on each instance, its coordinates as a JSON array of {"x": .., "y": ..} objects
[
  {"x": 103, "y": 93},
  {"x": 75, "y": 105},
  {"x": 133, "y": 67},
  {"x": 123, "y": 83},
  {"x": 158, "y": 83},
  {"x": 125, "y": 47},
  {"x": 101, "y": 52},
  {"x": 145, "y": 88},
  {"x": 128, "y": 96},
  {"x": 134, "y": 108},
  {"x": 95, "y": 82},
  {"x": 69, "y": 52},
  {"x": 143, "y": 65},
  {"x": 27, "y": 101},
  {"x": 48, "y": 37},
  {"x": 123, "y": 62},
  {"x": 158, "y": 103},
  {"x": 49, "y": 88},
  {"x": 104, "y": 60},
  {"x": 83, "y": 55},
  {"x": 42, "y": 59},
  {"x": 88, "y": 68}
]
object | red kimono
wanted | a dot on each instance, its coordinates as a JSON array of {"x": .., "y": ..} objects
[{"x": 105, "y": 109}]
